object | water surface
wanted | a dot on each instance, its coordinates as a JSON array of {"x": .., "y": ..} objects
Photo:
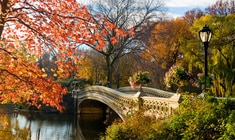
[{"x": 51, "y": 126}]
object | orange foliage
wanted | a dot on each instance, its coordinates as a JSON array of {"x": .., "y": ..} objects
[
  {"x": 166, "y": 39},
  {"x": 43, "y": 26}
]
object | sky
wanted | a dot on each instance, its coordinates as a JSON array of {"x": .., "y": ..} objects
[{"x": 177, "y": 8}]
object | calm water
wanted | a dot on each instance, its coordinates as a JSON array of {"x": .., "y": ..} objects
[{"x": 26, "y": 126}]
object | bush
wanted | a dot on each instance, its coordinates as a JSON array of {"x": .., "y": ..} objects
[
  {"x": 196, "y": 118},
  {"x": 136, "y": 127}
]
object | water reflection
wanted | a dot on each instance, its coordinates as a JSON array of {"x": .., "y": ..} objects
[
  {"x": 27, "y": 126},
  {"x": 10, "y": 130},
  {"x": 90, "y": 122}
]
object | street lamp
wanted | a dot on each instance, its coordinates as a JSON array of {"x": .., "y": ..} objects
[{"x": 205, "y": 36}]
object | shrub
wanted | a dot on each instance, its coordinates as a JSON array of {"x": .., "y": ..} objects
[
  {"x": 196, "y": 118},
  {"x": 136, "y": 127}
]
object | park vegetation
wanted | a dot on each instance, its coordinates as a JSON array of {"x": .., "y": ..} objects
[
  {"x": 175, "y": 42},
  {"x": 177, "y": 54},
  {"x": 196, "y": 118},
  {"x": 41, "y": 53}
]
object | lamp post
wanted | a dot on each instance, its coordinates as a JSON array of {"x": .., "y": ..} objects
[{"x": 205, "y": 36}]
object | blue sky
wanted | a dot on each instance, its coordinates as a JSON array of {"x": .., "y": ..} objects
[{"x": 177, "y": 8}]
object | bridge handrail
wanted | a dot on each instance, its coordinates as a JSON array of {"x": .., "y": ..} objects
[
  {"x": 163, "y": 106},
  {"x": 126, "y": 103},
  {"x": 107, "y": 91},
  {"x": 147, "y": 90}
]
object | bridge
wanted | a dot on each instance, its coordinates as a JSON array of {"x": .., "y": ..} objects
[{"x": 125, "y": 101}]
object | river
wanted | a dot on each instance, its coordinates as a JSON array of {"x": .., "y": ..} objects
[{"x": 51, "y": 126}]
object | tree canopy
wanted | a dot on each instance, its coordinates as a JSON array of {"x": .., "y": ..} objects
[{"x": 40, "y": 27}]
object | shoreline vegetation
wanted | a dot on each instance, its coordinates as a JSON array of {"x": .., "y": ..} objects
[{"x": 196, "y": 118}]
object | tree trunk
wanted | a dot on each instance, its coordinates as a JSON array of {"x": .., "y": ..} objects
[
  {"x": 109, "y": 71},
  {"x": 118, "y": 80},
  {"x": 3, "y": 15}
]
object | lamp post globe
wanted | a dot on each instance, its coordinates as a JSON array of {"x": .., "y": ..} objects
[{"x": 205, "y": 35}]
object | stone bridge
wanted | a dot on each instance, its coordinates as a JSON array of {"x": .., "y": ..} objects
[{"x": 125, "y": 101}]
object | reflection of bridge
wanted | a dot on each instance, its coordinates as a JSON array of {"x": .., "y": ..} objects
[{"x": 125, "y": 101}]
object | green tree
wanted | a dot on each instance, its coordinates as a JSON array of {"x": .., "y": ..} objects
[{"x": 221, "y": 52}]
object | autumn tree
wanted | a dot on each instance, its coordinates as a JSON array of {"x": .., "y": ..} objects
[
  {"x": 92, "y": 67},
  {"x": 222, "y": 7},
  {"x": 134, "y": 17},
  {"x": 42, "y": 27},
  {"x": 192, "y": 15},
  {"x": 47, "y": 64},
  {"x": 167, "y": 38}
]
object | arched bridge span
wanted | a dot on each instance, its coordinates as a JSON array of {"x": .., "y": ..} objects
[{"x": 125, "y": 101}]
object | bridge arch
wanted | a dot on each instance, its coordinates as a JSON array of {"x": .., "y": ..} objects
[
  {"x": 91, "y": 97},
  {"x": 104, "y": 95},
  {"x": 158, "y": 102},
  {"x": 89, "y": 106}
]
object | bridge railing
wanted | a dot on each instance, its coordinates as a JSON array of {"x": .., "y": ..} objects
[
  {"x": 161, "y": 107},
  {"x": 161, "y": 104},
  {"x": 147, "y": 90}
]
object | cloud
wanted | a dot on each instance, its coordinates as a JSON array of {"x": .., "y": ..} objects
[
  {"x": 177, "y": 8},
  {"x": 189, "y": 3},
  {"x": 84, "y": 2},
  {"x": 178, "y": 11},
  {"x": 174, "y": 3}
]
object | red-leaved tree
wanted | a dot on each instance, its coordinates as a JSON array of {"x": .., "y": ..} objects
[{"x": 30, "y": 28}]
